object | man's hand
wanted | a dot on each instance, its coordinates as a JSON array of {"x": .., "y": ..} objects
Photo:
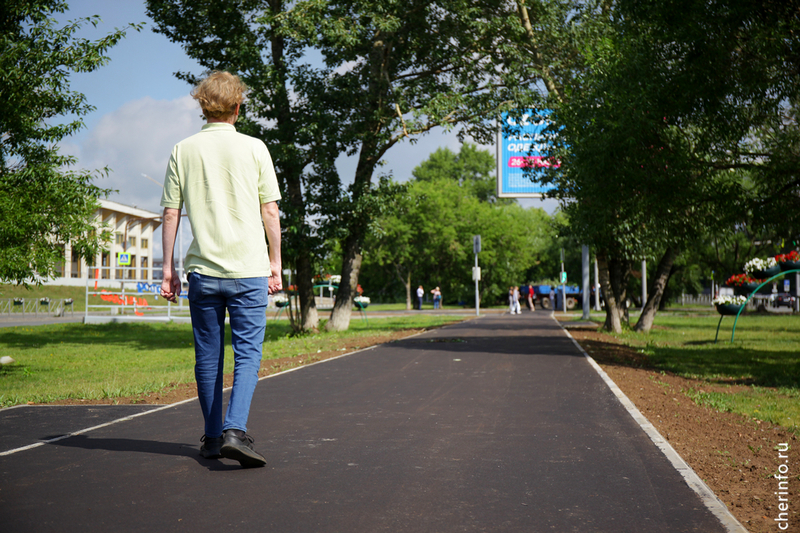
[
  {"x": 272, "y": 225},
  {"x": 275, "y": 282},
  {"x": 171, "y": 286}
]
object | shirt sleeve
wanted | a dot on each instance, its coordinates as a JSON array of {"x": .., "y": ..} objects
[
  {"x": 172, "y": 196},
  {"x": 267, "y": 180}
]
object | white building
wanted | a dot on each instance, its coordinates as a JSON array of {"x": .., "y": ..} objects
[{"x": 132, "y": 229}]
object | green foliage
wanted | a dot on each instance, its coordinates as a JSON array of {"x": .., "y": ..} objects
[
  {"x": 472, "y": 169},
  {"x": 425, "y": 237},
  {"x": 684, "y": 123},
  {"x": 43, "y": 205}
]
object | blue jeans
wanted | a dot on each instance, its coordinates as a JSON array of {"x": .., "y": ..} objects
[{"x": 246, "y": 301}]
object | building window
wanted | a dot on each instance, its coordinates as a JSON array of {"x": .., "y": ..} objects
[
  {"x": 76, "y": 265},
  {"x": 132, "y": 269},
  {"x": 120, "y": 238},
  {"x": 145, "y": 243},
  {"x": 105, "y": 271},
  {"x": 131, "y": 241}
]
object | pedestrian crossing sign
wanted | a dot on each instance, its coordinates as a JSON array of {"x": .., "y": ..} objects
[{"x": 123, "y": 259}]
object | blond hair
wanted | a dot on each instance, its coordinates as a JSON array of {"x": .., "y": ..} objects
[{"x": 219, "y": 94}]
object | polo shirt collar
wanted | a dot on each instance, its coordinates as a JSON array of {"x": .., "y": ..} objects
[{"x": 218, "y": 126}]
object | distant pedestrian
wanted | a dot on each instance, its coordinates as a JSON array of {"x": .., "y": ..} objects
[
  {"x": 531, "y": 305},
  {"x": 420, "y": 295},
  {"x": 513, "y": 300},
  {"x": 437, "y": 298},
  {"x": 552, "y": 299},
  {"x": 228, "y": 184}
]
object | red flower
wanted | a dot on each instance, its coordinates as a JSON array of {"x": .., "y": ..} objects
[
  {"x": 739, "y": 280},
  {"x": 792, "y": 257}
]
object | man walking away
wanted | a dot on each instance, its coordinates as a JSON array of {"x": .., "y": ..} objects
[{"x": 227, "y": 182}]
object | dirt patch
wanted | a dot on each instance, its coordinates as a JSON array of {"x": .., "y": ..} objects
[{"x": 736, "y": 456}]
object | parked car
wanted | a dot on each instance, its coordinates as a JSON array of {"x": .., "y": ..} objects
[{"x": 784, "y": 299}]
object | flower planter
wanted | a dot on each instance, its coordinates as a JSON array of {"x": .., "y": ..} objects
[
  {"x": 789, "y": 265},
  {"x": 728, "y": 309},
  {"x": 361, "y": 305},
  {"x": 768, "y": 273},
  {"x": 17, "y": 303},
  {"x": 281, "y": 304},
  {"x": 746, "y": 288}
]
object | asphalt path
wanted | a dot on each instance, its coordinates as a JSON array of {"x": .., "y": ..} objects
[{"x": 495, "y": 424}]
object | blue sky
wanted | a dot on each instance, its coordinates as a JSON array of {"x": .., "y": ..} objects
[{"x": 143, "y": 110}]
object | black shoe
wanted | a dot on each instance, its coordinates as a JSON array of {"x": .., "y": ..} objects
[
  {"x": 237, "y": 445},
  {"x": 211, "y": 446}
]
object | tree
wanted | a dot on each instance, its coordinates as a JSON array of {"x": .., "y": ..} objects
[
  {"x": 425, "y": 237},
  {"x": 665, "y": 137},
  {"x": 400, "y": 69},
  {"x": 44, "y": 205},
  {"x": 284, "y": 109},
  {"x": 392, "y": 71},
  {"x": 472, "y": 168}
]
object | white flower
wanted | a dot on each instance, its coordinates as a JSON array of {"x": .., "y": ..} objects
[
  {"x": 361, "y": 299},
  {"x": 729, "y": 300},
  {"x": 336, "y": 279},
  {"x": 759, "y": 264},
  {"x": 280, "y": 298}
]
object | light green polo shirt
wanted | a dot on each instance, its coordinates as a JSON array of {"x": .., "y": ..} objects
[{"x": 223, "y": 177}]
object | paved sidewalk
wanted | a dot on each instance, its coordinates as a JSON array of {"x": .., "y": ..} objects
[{"x": 498, "y": 424}]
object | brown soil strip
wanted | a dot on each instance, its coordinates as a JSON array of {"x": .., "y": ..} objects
[{"x": 734, "y": 455}]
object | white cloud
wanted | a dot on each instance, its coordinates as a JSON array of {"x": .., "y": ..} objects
[
  {"x": 133, "y": 140},
  {"x": 137, "y": 139}
]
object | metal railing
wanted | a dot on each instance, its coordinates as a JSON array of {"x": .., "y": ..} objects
[
  {"x": 36, "y": 307},
  {"x": 130, "y": 299}
]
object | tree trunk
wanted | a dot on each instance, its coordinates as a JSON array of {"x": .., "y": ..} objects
[
  {"x": 663, "y": 271},
  {"x": 662, "y": 305},
  {"x": 290, "y": 169},
  {"x": 373, "y": 146},
  {"x": 351, "y": 265},
  {"x": 613, "y": 281},
  {"x": 406, "y": 283},
  {"x": 309, "y": 318}
]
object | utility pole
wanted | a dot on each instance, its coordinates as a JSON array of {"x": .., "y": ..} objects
[
  {"x": 476, "y": 272},
  {"x": 644, "y": 283},
  {"x": 563, "y": 285},
  {"x": 586, "y": 301},
  {"x": 596, "y": 286}
]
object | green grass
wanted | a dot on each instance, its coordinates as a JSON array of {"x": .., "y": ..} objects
[
  {"x": 78, "y": 294},
  {"x": 76, "y": 361},
  {"x": 758, "y": 375}
]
